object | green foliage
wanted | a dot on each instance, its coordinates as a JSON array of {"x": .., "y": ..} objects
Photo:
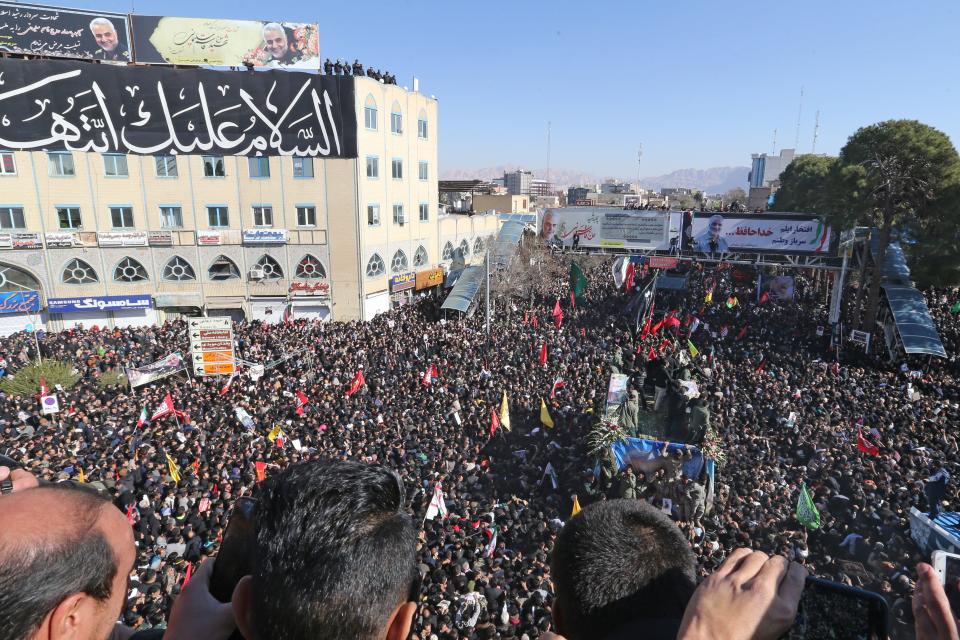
[
  {"x": 805, "y": 185},
  {"x": 26, "y": 380},
  {"x": 111, "y": 378}
]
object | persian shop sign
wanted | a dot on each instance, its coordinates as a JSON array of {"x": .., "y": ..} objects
[
  {"x": 403, "y": 281},
  {"x": 98, "y": 303},
  {"x": 20, "y": 302}
]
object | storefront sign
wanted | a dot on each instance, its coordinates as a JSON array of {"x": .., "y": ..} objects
[
  {"x": 20, "y": 302},
  {"x": 160, "y": 238},
  {"x": 122, "y": 238},
  {"x": 71, "y": 240},
  {"x": 662, "y": 262},
  {"x": 429, "y": 278},
  {"x": 20, "y": 241},
  {"x": 98, "y": 303},
  {"x": 309, "y": 288},
  {"x": 403, "y": 281},
  {"x": 264, "y": 236},
  {"x": 209, "y": 237}
]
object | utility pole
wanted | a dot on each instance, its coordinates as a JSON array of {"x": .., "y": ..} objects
[
  {"x": 816, "y": 131},
  {"x": 486, "y": 262}
]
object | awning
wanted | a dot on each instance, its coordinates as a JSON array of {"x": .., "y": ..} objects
[
  {"x": 465, "y": 290},
  {"x": 505, "y": 245},
  {"x": 163, "y": 300},
  {"x": 912, "y": 319},
  {"x": 895, "y": 269},
  {"x": 225, "y": 302}
]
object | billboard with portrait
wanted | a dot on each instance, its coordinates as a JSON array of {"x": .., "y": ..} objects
[
  {"x": 717, "y": 233},
  {"x": 229, "y": 43},
  {"x": 63, "y": 33},
  {"x": 606, "y": 227}
]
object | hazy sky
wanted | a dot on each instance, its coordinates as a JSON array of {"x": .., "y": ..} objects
[{"x": 700, "y": 83}]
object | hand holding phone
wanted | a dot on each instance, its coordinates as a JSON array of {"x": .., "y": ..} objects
[{"x": 931, "y": 609}]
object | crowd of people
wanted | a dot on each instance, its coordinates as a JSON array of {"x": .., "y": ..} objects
[
  {"x": 345, "y": 68},
  {"x": 783, "y": 408}
]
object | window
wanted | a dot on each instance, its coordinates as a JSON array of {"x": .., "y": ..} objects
[
  {"x": 121, "y": 217},
  {"x": 370, "y": 113},
  {"x": 373, "y": 215},
  {"x": 373, "y": 167},
  {"x": 477, "y": 246},
  {"x": 303, "y": 167},
  {"x": 171, "y": 217},
  {"x": 398, "y": 216},
  {"x": 396, "y": 119},
  {"x": 424, "y": 212},
  {"x": 310, "y": 269},
  {"x": 178, "y": 270},
  {"x": 78, "y": 272},
  {"x": 263, "y": 216},
  {"x": 259, "y": 167},
  {"x": 306, "y": 217},
  {"x": 464, "y": 248},
  {"x": 375, "y": 266},
  {"x": 270, "y": 267},
  {"x": 420, "y": 258},
  {"x": 129, "y": 270},
  {"x": 397, "y": 169},
  {"x": 115, "y": 165},
  {"x": 69, "y": 217},
  {"x": 8, "y": 167},
  {"x": 166, "y": 166},
  {"x": 12, "y": 218},
  {"x": 422, "y": 126},
  {"x": 447, "y": 251},
  {"x": 213, "y": 167},
  {"x": 218, "y": 217},
  {"x": 422, "y": 170},
  {"x": 223, "y": 268},
  {"x": 61, "y": 164},
  {"x": 399, "y": 262}
]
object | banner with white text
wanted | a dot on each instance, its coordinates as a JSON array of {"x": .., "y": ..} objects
[
  {"x": 716, "y": 233},
  {"x": 63, "y": 33}
]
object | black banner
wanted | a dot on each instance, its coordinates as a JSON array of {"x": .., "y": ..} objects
[
  {"x": 63, "y": 33},
  {"x": 60, "y": 105}
]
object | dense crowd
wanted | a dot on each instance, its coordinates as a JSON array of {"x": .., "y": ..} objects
[{"x": 782, "y": 410}]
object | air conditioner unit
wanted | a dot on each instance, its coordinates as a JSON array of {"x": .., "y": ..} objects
[{"x": 256, "y": 274}]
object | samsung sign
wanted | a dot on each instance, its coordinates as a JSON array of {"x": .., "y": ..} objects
[{"x": 98, "y": 303}]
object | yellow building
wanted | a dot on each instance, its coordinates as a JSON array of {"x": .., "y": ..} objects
[{"x": 256, "y": 238}]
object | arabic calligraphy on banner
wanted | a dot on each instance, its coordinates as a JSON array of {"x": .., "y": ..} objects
[
  {"x": 20, "y": 302},
  {"x": 780, "y": 234},
  {"x": 283, "y": 45},
  {"x": 57, "y": 104},
  {"x": 63, "y": 33},
  {"x": 97, "y": 303}
]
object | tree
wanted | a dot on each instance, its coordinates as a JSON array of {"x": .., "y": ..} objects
[
  {"x": 896, "y": 175},
  {"x": 735, "y": 195},
  {"x": 805, "y": 185}
]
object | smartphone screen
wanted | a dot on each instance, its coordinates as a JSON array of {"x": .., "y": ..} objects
[
  {"x": 951, "y": 576},
  {"x": 830, "y": 611}
]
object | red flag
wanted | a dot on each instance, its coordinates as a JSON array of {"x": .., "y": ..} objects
[
  {"x": 557, "y": 314},
  {"x": 762, "y": 365},
  {"x": 670, "y": 320},
  {"x": 302, "y": 402},
  {"x": 864, "y": 446},
  {"x": 656, "y": 328},
  {"x": 764, "y": 297},
  {"x": 261, "y": 469},
  {"x": 651, "y": 354},
  {"x": 165, "y": 408},
  {"x": 226, "y": 387},
  {"x": 573, "y": 301},
  {"x": 279, "y": 441},
  {"x": 743, "y": 333},
  {"x": 183, "y": 415},
  {"x": 526, "y": 317},
  {"x": 543, "y": 354},
  {"x": 130, "y": 513},
  {"x": 557, "y": 385},
  {"x": 434, "y": 372},
  {"x": 628, "y": 279},
  {"x": 187, "y": 577},
  {"x": 646, "y": 328},
  {"x": 358, "y": 381},
  {"x": 534, "y": 321},
  {"x": 583, "y": 332},
  {"x": 44, "y": 389},
  {"x": 494, "y": 422}
]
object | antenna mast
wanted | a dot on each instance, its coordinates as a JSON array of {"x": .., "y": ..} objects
[
  {"x": 774, "y": 152},
  {"x": 816, "y": 131}
]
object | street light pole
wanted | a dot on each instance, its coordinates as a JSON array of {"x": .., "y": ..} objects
[{"x": 486, "y": 261}]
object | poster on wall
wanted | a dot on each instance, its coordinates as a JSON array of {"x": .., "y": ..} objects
[
  {"x": 771, "y": 233},
  {"x": 74, "y": 106},
  {"x": 606, "y": 227},
  {"x": 63, "y": 33},
  {"x": 229, "y": 43}
]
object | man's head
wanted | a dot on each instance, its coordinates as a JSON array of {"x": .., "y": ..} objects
[
  {"x": 275, "y": 39},
  {"x": 334, "y": 556},
  {"x": 716, "y": 226},
  {"x": 105, "y": 34},
  {"x": 616, "y": 562},
  {"x": 546, "y": 229},
  {"x": 65, "y": 555}
]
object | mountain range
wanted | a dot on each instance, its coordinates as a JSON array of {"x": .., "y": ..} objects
[{"x": 712, "y": 180}]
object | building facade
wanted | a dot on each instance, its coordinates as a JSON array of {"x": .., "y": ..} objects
[{"x": 518, "y": 182}]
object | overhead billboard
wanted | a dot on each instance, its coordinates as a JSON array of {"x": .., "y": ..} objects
[
  {"x": 606, "y": 227},
  {"x": 231, "y": 43},
  {"x": 66, "y": 105},
  {"x": 716, "y": 233},
  {"x": 63, "y": 33}
]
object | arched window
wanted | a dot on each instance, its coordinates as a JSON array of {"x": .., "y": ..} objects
[
  {"x": 223, "y": 268},
  {"x": 270, "y": 267},
  {"x": 178, "y": 270},
  {"x": 16, "y": 279},
  {"x": 420, "y": 258},
  {"x": 465, "y": 247},
  {"x": 447, "y": 251},
  {"x": 477, "y": 246},
  {"x": 370, "y": 113},
  {"x": 310, "y": 269},
  {"x": 422, "y": 130},
  {"x": 399, "y": 262},
  {"x": 396, "y": 118},
  {"x": 79, "y": 272},
  {"x": 129, "y": 270},
  {"x": 375, "y": 266}
]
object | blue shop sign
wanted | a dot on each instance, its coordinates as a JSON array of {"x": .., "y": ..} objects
[
  {"x": 98, "y": 303},
  {"x": 20, "y": 302},
  {"x": 403, "y": 281}
]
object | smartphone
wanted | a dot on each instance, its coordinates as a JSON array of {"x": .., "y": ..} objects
[
  {"x": 833, "y": 611},
  {"x": 947, "y": 566}
]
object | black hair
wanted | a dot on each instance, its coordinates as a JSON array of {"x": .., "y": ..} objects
[
  {"x": 334, "y": 551},
  {"x": 617, "y": 561},
  {"x": 37, "y": 575}
]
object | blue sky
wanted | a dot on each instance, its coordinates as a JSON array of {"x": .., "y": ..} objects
[{"x": 699, "y": 83}]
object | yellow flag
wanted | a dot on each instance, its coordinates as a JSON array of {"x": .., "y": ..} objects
[
  {"x": 505, "y": 412},
  {"x": 172, "y": 467},
  {"x": 709, "y": 297},
  {"x": 694, "y": 352},
  {"x": 81, "y": 476},
  {"x": 576, "y": 506},
  {"x": 545, "y": 418},
  {"x": 273, "y": 433}
]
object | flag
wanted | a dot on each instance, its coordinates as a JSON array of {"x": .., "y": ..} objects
[
  {"x": 761, "y": 365},
  {"x": 764, "y": 297},
  {"x": 226, "y": 387},
  {"x": 505, "y": 412},
  {"x": 494, "y": 422},
  {"x": 183, "y": 415},
  {"x": 143, "y": 418},
  {"x": 955, "y": 308},
  {"x": 694, "y": 325},
  {"x": 302, "y": 402},
  {"x": 671, "y": 320},
  {"x": 651, "y": 354},
  {"x": 130, "y": 513},
  {"x": 557, "y": 314},
  {"x": 44, "y": 389},
  {"x": 694, "y": 352},
  {"x": 172, "y": 467},
  {"x": 274, "y": 433},
  {"x": 578, "y": 282},
  {"x": 81, "y": 476},
  {"x": 743, "y": 333},
  {"x": 188, "y": 575},
  {"x": 548, "y": 471},
  {"x": 492, "y": 545},
  {"x": 807, "y": 512},
  {"x": 437, "y": 506},
  {"x": 534, "y": 321},
  {"x": 573, "y": 300},
  {"x": 261, "y": 470},
  {"x": 656, "y": 327},
  {"x": 619, "y": 270},
  {"x": 732, "y": 302},
  {"x": 526, "y": 317},
  {"x": 358, "y": 381},
  {"x": 545, "y": 418},
  {"x": 576, "y": 506},
  {"x": 244, "y": 417},
  {"x": 165, "y": 408},
  {"x": 864, "y": 446},
  {"x": 427, "y": 378},
  {"x": 630, "y": 277},
  {"x": 557, "y": 385},
  {"x": 543, "y": 354},
  {"x": 709, "y": 297}
]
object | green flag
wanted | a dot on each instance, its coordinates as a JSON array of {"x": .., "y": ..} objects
[
  {"x": 955, "y": 308},
  {"x": 694, "y": 352},
  {"x": 578, "y": 282},
  {"x": 807, "y": 512}
]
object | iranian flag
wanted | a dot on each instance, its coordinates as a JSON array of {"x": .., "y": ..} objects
[
  {"x": 226, "y": 387},
  {"x": 557, "y": 385},
  {"x": 142, "y": 420}
]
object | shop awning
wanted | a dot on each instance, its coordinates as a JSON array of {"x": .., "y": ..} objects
[
  {"x": 912, "y": 319},
  {"x": 463, "y": 293},
  {"x": 225, "y": 302},
  {"x": 505, "y": 245}
]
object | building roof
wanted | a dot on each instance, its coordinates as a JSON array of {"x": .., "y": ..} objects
[
  {"x": 461, "y": 296},
  {"x": 912, "y": 319},
  {"x": 460, "y": 186}
]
